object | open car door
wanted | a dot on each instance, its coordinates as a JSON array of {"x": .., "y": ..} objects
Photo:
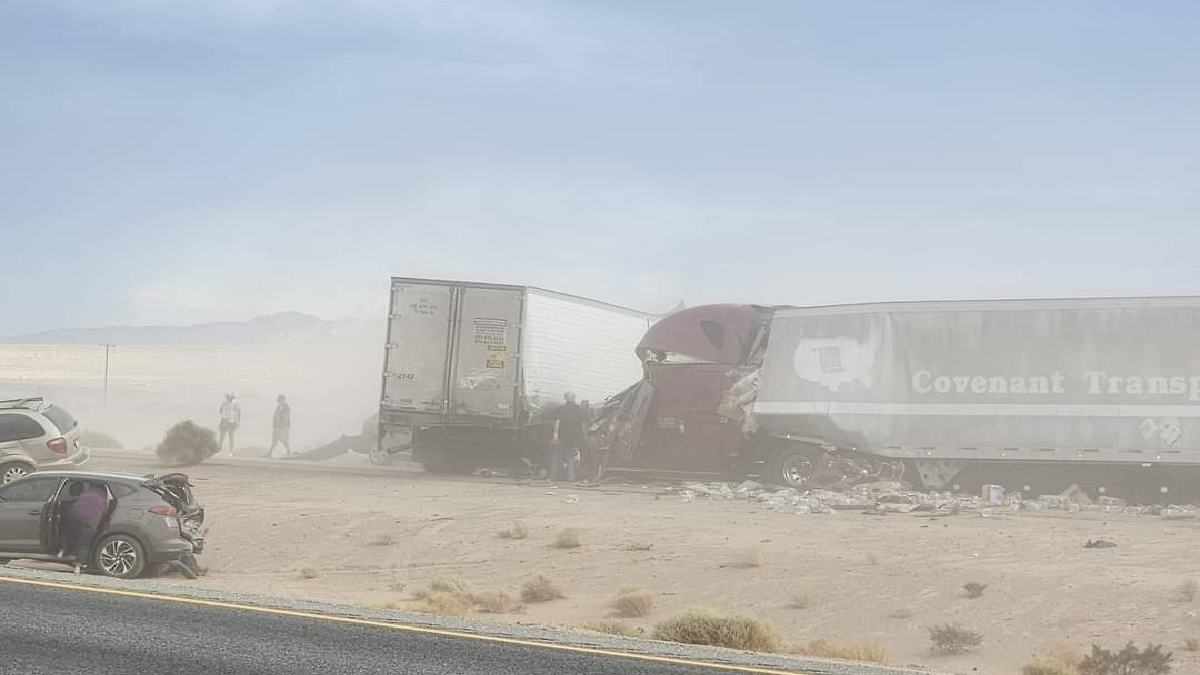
[{"x": 52, "y": 521}]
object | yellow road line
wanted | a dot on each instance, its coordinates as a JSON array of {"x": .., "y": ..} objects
[{"x": 400, "y": 627}]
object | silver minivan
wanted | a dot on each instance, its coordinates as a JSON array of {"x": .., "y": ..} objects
[{"x": 36, "y": 434}]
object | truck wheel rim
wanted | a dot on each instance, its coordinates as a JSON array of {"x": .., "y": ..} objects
[
  {"x": 12, "y": 473},
  {"x": 797, "y": 471},
  {"x": 118, "y": 557}
]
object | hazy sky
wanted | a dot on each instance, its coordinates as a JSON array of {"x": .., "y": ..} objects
[{"x": 180, "y": 162}]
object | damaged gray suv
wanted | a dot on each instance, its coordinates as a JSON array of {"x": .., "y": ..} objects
[{"x": 147, "y": 521}]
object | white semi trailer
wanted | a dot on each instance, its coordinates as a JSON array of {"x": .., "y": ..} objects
[
  {"x": 471, "y": 370},
  {"x": 1013, "y": 391}
]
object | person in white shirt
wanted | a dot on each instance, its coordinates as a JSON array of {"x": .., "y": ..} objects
[{"x": 231, "y": 417}]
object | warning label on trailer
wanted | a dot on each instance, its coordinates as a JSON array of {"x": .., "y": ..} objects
[{"x": 490, "y": 331}]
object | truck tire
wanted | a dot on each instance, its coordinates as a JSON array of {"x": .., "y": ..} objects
[{"x": 792, "y": 467}]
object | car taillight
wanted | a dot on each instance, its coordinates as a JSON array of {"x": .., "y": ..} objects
[
  {"x": 164, "y": 510},
  {"x": 57, "y": 445}
]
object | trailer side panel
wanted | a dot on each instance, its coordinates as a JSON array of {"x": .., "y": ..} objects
[
  {"x": 573, "y": 344},
  {"x": 1100, "y": 380}
]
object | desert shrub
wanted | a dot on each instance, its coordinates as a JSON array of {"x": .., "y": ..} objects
[
  {"x": 953, "y": 639},
  {"x": 1186, "y": 590},
  {"x": 612, "y": 628},
  {"x": 517, "y": 531},
  {"x": 704, "y": 628},
  {"x": 448, "y": 586},
  {"x": 540, "y": 589},
  {"x": 1058, "y": 659},
  {"x": 1191, "y": 645},
  {"x": 308, "y": 573},
  {"x": 867, "y": 652},
  {"x": 187, "y": 443},
  {"x": 1047, "y": 668},
  {"x": 568, "y": 538},
  {"x": 800, "y": 601},
  {"x": 448, "y": 604},
  {"x": 754, "y": 557},
  {"x": 630, "y": 605},
  {"x": 99, "y": 439},
  {"x": 497, "y": 602},
  {"x": 974, "y": 589},
  {"x": 1129, "y": 661}
]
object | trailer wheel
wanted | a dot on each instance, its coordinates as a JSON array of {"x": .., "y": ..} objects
[{"x": 792, "y": 467}]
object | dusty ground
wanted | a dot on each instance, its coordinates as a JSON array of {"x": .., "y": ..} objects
[{"x": 374, "y": 540}]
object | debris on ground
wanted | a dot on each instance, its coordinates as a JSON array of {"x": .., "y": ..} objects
[{"x": 893, "y": 497}]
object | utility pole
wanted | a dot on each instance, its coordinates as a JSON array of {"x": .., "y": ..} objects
[{"x": 106, "y": 348}]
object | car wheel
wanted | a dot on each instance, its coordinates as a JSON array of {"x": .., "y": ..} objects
[
  {"x": 121, "y": 556},
  {"x": 792, "y": 468},
  {"x": 14, "y": 470}
]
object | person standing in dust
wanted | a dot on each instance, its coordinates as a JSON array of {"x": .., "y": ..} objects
[
  {"x": 231, "y": 418},
  {"x": 281, "y": 426},
  {"x": 568, "y": 439}
]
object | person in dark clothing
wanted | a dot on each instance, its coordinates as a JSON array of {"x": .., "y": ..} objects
[
  {"x": 82, "y": 518},
  {"x": 568, "y": 439},
  {"x": 281, "y": 426}
]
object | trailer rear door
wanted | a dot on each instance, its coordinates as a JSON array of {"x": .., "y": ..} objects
[
  {"x": 486, "y": 349},
  {"x": 415, "y": 370}
]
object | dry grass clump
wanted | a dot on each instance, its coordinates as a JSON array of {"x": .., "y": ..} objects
[
  {"x": 1186, "y": 590},
  {"x": 753, "y": 558},
  {"x": 451, "y": 597},
  {"x": 974, "y": 589},
  {"x": 633, "y": 604},
  {"x": 800, "y": 601},
  {"x": 540, "y": 589},
  {"x": 1058, "y": 659},
  {"x": 516, "y": 531},
  {"x": 1045, "y": 667},
  {"x": 612, "y": 628},
  {"x": 448, "y": 586},
  {"x": 953, "y": 639},
  {"x": 496, "y": 602},
  {"x": 698, "y": 627},
  {"x": 568, "y": 538},
  {"x": 867, "y": 652},
  {"x": 447, "y": 604}
]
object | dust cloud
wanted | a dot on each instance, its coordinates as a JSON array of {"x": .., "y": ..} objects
[{"x": 332, "y": 383}]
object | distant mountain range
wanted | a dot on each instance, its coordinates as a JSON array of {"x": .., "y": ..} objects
[{"x": 270, "y": 328}]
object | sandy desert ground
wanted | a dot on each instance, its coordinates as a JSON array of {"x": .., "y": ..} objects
[{"x": 377, "y": 539}]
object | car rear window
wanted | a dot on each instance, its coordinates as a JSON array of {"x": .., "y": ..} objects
[{"x": 61, "y": 418}]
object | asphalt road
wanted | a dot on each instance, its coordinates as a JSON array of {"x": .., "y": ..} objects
[{"x": 56, "y": 630}]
